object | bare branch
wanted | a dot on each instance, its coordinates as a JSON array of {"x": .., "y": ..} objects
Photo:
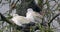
[
  {"x": 54, "y": 18},
  {"x": 7, "y": 20}
]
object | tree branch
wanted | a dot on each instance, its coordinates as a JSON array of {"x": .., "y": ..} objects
[
  {"x": 54, "y": 18},
  {"x": 7, "y": 20},
  {"x": 10, "y": 22}
]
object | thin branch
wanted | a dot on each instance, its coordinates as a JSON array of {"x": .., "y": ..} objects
[
  {"x": 10, "y": 22},
  {"x": 54, "y": 18},
  {"x": 7, "y": 20}
]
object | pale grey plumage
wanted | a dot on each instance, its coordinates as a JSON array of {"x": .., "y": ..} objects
[{"x": 35, "y": 16}]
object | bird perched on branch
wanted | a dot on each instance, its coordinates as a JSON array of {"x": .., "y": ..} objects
[
  {"x": 20, "y": 20},
  {"x": 31, "y": 16}
]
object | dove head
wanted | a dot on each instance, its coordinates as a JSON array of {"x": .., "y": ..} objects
[{"x": 30, "y": 10}]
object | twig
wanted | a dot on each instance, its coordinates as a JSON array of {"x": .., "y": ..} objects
[
  {"x": 5, "y": 19},
  {"x": 53, "y": 18}
]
